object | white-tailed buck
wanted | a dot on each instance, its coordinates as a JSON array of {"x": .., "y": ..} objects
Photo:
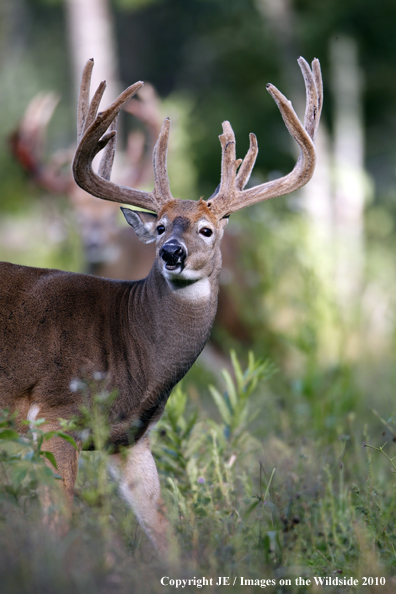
[
  {"x": 142, "y": 336},
  {"x": 111, "y": 250}
]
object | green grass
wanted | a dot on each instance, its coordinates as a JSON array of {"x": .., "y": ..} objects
[{"x": 266, "y": 488}]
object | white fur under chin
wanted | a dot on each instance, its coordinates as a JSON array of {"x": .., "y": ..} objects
[{"x": 198, "y": 291}]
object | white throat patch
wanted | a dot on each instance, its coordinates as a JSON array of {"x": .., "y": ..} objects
[{"x": 196, "y": 291}]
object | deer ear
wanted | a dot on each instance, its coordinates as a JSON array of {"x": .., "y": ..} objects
[{"x": 144, "y": 223}]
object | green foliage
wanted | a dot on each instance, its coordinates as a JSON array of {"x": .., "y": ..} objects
[
  {"x": 93, "y": 430},
  {"x": 23, "y": 458},
  {"x": 243, "y": 497},
  {"x": 234, "y": 404}
]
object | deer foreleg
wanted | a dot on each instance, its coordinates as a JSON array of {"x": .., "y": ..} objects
[
  {"x": 58, "y": 508},
  {"x": 139, "y": 486}
]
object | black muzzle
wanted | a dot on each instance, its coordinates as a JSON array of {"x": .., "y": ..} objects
[{"x": 173, "y": 254}]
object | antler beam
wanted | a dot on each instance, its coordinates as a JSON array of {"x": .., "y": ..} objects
[
  {"x": 231, "y": 195},
  {"x": 97, "y": 131}
]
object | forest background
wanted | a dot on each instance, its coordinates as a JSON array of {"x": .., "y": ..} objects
[{"x": 310, "y": 282}]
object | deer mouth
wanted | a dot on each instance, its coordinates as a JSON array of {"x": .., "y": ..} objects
[
  {"x": 173, "y": 266},
  {"x": 173, "y": 270}
]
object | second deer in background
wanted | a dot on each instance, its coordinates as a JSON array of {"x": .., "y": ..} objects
[{"x": 111, "y": 250}]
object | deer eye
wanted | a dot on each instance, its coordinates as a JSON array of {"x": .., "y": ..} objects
[
  {"x": 160, "y": 229},
  {"x": 206, "y": 231}
]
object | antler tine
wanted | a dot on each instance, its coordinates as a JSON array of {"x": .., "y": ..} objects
[
  {"x": 248, "y": 162},
  {"x": 94, "y": 105},
  {"x": 317, "y": 74},
  {"x": 107, "y": 160},
  {"x": 223, "y": 204},
  {"x": 162, "y": 191},
  {"x": 91, "y": 141},
  {"x": 94, "y": 136},
  {"x": 83, "y": 98},
  {"x": 86, "y": 110},
  {"x": 313, "y": 102},
  {"x": 229, "y": 164}
]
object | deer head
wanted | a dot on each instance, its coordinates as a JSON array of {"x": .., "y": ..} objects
[{"x": 188, "y": 232}]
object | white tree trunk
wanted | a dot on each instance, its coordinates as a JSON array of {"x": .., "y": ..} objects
[
  {"x": 349, "y": 192},
  {"x": 317, "y": 201},
  {"x": 91, "y": 35},
  {"x": 315, "y": 197}
]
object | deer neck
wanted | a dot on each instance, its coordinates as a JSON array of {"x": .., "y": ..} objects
[
  {"x": 175, "y": 319},
  {"x": 165, "y": 327},
  {"x": 184, "y": 308}
]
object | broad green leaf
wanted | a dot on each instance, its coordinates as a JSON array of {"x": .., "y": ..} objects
[
  {"x": 65, "y": 436},
  {"x": 36, "y": 422},
  {"x": 9, "y": 434},
  {"x": 49, "y": 435},
  {"x": 68, "y": 438},
  {"x": 50, "y": 456}
]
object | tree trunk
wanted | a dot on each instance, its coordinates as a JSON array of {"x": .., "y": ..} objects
[
  {"x": 91, "y": 35},
  {"x": 315, "y": 197},
  {"x": 348, "y": 169}
]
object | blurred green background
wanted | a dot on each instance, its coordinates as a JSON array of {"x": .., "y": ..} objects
[{"x": 309, "y": 279}]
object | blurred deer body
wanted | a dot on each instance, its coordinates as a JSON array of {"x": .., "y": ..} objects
[{"x": 142, "y": 336}]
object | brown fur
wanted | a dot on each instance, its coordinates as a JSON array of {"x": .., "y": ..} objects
[
  {"x": 143, "y": 336},
  {"x": 191, "y": 209}
]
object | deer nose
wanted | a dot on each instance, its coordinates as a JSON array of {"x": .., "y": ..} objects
[{"x": 173, "y": 253}]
